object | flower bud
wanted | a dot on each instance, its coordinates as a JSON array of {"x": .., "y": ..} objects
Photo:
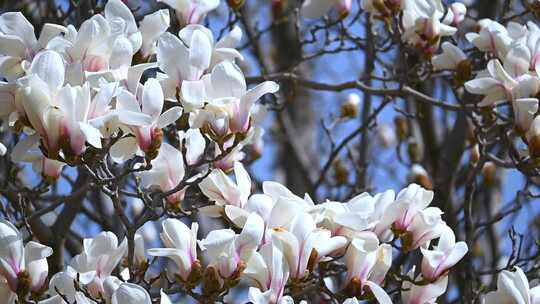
[
  {"x": 420, "y": 176},
  {"x": 414, "y": 151},
  {"x": 489, "y": 171},
  {"x": 236, "y": 4},
  {"x": 349, "y": 109},
  {"x": 341, "y": 172},
  {"x": 402, "y": 127},
  {"x": 463, "y": 72},
  {"x": 533, "y": 138}
]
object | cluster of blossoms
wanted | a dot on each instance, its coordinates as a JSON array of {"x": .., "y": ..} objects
[
  {"x": 512, "y": 73},
  {"x": 73, "y": 93},
  {"x": 284, "y": 241}
]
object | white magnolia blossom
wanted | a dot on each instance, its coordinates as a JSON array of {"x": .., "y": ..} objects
[
  {"x": 19, "y": 44},
  {"x": 21, "y": 266},
  {"x": 229, "y": 252},
  {"x": 219, "y": 188},
  {"x": 423, "y": 26},
  {"x": 186, "y": 57},
  {"x": 74, "y": 93},
  {"x": 449, "y": 59},
  {"x": 167, "y": 173},
  {"x": 367, "y": 265},
  {"x": 152, "y": 26},
  {"x": 180, "y": 245},
  {"x": 302, "y": 238},
  {"x": 423, "y": 293},
  {"x": 445, "y": 255},
  {"x": 513, "y": 287},
  {"x": 267, "y": 271},
  {"x": 318, "y": 8},
  {"x": 100, "y": 256},
  {"x": 223, "y": 100},
  {"x": 191, "y": 11},
  {"x": 129, "y": 293}
]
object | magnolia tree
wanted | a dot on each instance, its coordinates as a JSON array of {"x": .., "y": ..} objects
[{"x": 133, "y": 151}]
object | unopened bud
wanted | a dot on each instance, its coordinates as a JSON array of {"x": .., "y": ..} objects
[
  {"x": 402, "y": 127},
  {"x": 387, "y": 135},
  {"x": 341, "y": 172},
  {"x": 420, "y": 176},
  {"x": 533, "y": 138},
  {"x": 235, "y": 4},
  {"x": 414, "y": 151},
  {"x": 463, "y": 72},
  {"x": 349, "y": 109},
  {"x": 489, "y": 171},
  {"x": 279, "y": 7}
]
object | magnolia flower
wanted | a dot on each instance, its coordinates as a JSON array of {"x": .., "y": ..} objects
[
  {"x": 499, "y": 85},
  {"x": 130, "y": 293},
  {"x": 493, "y": 37},
  {"x": 423, "y": 28},
  {"x": 27, "y": 150},
  {"x": 61, "y": 286},
  {"x": 267, "y": 271},
  {"x": 223, "y": 191},
  {"x": 24, "y": 267},
  {"x": 184, "y": 58},
  {"x": 302, "y": 239},
  {"x": 456, "y": 14},
  {"x": 525, "y": 110},
  {"x": 533, "y": 137},
  {"x": 18, "y": 43},
  {"x": 181, "y": 246},
  {"x": 229, "y": 252},
  {"x": 99, "y": 258},
  {"x": 513, "y": 287},
  {"x": 318, "y": 8},
  {"x": 152, "y": 26},
  {"x": 450, "y": 58},
  {"x": 367, "y": 265},
  {"x": 167, "y": 172},
  {"x": 425, "y": 226},
  {"x": 445, "y": 255},
  {"x": 103, "y": 45},
  {"x": 191, "y": 11},
  {"x": 37, "y": 96},
  {"x": 187, "y": 57},
  {"x": 147, "y": 137},
  {"x": 229, "y": 103},
  {"x": 347, "y": 219},
  {"x": 408, "y": 203},
  {"x": 195, "y": 145},
  {"x": 422, "y": 294}
]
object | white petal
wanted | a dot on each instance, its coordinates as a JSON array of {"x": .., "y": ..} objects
[
  {"x": 49, "y": 67},
  {"x": 169, "y": 117}
]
